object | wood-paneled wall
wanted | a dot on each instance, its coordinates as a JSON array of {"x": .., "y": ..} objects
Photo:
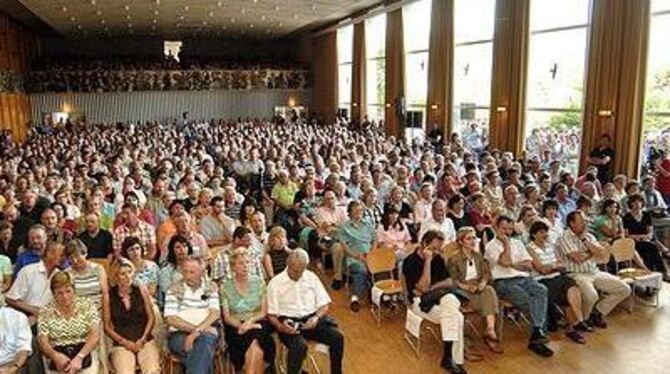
[
  {"x": 324, "y": 49},
  {"x": 17, "y": 48}
]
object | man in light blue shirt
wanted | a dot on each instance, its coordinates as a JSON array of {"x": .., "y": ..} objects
[{"x": 565, "y": 203}]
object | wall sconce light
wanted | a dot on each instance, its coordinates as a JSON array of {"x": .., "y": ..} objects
[
  {"x": 291, "y": 102},
  {"x": 433, "y": 107},
  {"x": 501, "y": 109},
  {"x": 605, "y": 113},
  {"x": 388, "y": 105},
  {"x": 355, "y": 105}
]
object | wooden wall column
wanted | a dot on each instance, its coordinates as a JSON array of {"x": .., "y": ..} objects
[
  {"x": 508, "y": 83},
  {"x": 441, "y": 67},
  {"x": 395, "y": 72},
  {"x": 17, "y": 47},
  {"x": 359, "y": 100},
  {"x": 615, "y": 83},
  {"x": 324, "y": 49}
]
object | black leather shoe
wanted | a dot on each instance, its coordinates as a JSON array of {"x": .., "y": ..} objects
[
  {"x": 583, "y": 327},
  {"x": 454, "y": 368},
  {"x": 538, "y": 337},
  {"x": 598, "y": 320},
  {"x": 336, "y": 285},
  {"x": 540, "y": 349}
]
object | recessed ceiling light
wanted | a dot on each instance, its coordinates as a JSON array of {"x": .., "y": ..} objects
[
  {"x": 220, "y": 4},
  {"x": 92, "y": 2},
  {"x": 73, "y": 18},
  {"x": 79, "y": 27},
  {"x": 255, "y": 1},
  {"x": 313, "y": 6},
  {"x": 280, "y": 24},
  {"x": 102, "y": 21},
  {"x": 155, "y": 20},
  {"x": 211, "y": 14},
  {"x": 128, "y": 16},
  {"x": 243, "y": 11},
  {"x": 127, "y": 7},
  {"x": 99, "y": 12},
  {"x": 204, "y": 23},
  {"x": 232, "y": 20},
  {"x": 181, "y": 16},
  {"x": 224, "y": 27},
  {"x": 263, "y": 18},
  {"x": 276, "y": 8},
  {"x": 158, "y": 2},
  {"x": 295, "y": 15},
  {"x": 156, "y": 12},
  {"x": 64, "y": 9},
  {"x": 130, "y": 25},
  {"x": 185, "y": 8}
]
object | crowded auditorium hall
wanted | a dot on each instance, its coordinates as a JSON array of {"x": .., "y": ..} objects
[{"x": 334, "y": 186}]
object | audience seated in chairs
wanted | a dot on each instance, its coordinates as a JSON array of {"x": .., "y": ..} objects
[
  {"x": 472, "y": 274},
  {"x": 430, "y": 293},
  {"x": 129, "y": 321},
  {"x": 192, "y": 312},
  {"x": 510, "y": 269},
  {"x": 244, "y": 309},
  {"x": 298, "y": 310}
]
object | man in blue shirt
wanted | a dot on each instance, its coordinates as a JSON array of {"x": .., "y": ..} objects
[
  {"x": 37, "y": 242},
  {"x": 565, "y": 203}
]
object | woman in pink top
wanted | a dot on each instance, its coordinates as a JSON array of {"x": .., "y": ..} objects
[{"x": 393, "y": 233}]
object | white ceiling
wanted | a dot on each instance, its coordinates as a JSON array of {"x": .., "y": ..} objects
[{"x": 225, "y": 18}]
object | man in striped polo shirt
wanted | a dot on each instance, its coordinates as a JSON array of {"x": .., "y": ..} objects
[
  {"x": 191, "y": 311},
  {"x": 579, "y": 248}
]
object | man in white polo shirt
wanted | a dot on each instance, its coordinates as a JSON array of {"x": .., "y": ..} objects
[
  {"x": 511, "y": 265},
  {"x": 191, "y": 311},
  {"x": 31, "y": 291},
  {"x": 298, "y": 309},
  {"x": 438, "y": 221},
  {"x": 15, "y": 340}
]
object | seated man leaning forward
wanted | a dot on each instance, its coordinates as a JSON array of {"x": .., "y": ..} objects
[
  {"x": 298, "y": 310},
  {"x": 191, "y": 311},
  {"x": 429, "y": 285}
]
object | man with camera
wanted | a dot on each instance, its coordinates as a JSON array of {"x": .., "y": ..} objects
[{"x": 298, "y": 310}]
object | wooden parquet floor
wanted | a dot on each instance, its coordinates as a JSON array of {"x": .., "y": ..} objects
[{"x": 638, "y": 343}]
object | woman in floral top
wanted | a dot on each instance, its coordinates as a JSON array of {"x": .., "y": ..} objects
[
  {"x": 68, "y": 330},
  {"x": 146, "y": 271}
]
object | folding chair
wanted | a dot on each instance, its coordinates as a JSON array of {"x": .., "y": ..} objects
[
  {"x": 312, "y": 348},
  {"x": 623, "y": 250},
  {"x": 506, "y": 311},
  {"x": 381, "y": 262}
]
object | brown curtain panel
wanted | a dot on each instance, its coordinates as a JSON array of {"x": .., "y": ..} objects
[
  {"x": 395, "y": 72},
  {"x": 615, "y": 83},
  {"x": 508, "y": 88},
  {"x": 324, "y": 49},
  {"x": 358, "y": 95},
  {"x": 441, "y": 66}
]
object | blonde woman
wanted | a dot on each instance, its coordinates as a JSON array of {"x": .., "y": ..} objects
[
  {"x": 129, "y": 322},
  {"x": 276, "y": 252},
  {"x": 471, "y": 273}
]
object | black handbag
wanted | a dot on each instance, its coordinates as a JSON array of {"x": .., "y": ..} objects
[
  {"x": 432, "y": 298},
  {"x": 71, "y": 351}
]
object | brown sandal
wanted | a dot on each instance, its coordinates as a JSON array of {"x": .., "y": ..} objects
[{"x": 493, "y": 344}]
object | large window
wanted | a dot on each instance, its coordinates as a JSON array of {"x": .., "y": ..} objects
[
  {"x": 556, "y": 70},
  {"x": 345, "y": 45},
  {"x": 656, "y": 132},
  {"x": 416, "y": 18},
  {"x": 474, "y": 22},
  {"x": 375, "y": 69}
]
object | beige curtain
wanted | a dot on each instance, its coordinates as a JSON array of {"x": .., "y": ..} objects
[
  {"x": 324, "y": 49},
  {"x": 616, "y": 73},
  {"x": 395, "y": 72},
  {"x": 441, "y": 66},
  {"x": 358, "y": 95},
  {"x": 508, "y": 90}
]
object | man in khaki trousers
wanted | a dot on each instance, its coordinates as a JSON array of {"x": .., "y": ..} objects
[{"x": 580, "y": 249}]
